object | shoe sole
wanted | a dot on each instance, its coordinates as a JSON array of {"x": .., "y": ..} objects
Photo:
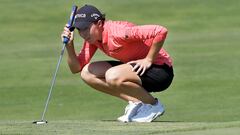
[
  {"x": 154, "y": 117},
  {"x": 158, "y": 115},
  {"x": 129, "y": 120},
  {"x": 124, "y": 121}
]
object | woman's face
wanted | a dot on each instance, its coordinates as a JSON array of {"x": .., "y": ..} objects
[{"x": 91, "y": 34}]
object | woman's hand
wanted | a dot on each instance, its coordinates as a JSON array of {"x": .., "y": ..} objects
[
  {"x": 141, "y": 65},
  {"x": 67, "y": 33}
]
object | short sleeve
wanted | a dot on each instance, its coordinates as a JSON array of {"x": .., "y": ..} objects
[
  {"x": 86, "y": 53},
  {"x": 144, "y": 32}
]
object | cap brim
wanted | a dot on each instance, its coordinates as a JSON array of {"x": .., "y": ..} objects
[{"x": 81, "y": 25}]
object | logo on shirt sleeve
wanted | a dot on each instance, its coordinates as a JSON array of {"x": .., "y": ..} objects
[{"x": 127, "y": 33}]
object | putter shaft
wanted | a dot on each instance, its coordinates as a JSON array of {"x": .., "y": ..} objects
[{"x": 53, "y": 82}]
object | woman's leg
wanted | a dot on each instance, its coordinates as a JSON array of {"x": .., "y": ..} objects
[
  {"x": 94, "y": 75},
  {"x": 119, "y": 81},
  {"x": 128, "y": 83}
]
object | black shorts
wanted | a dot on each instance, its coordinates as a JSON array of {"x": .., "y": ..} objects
[{"x": 155, "y": 79}]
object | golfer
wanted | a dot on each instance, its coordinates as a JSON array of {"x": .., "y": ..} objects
[{"x": 140, "y": 64}]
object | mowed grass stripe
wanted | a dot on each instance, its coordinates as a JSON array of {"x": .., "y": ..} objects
[
  {"x": 203, "y": 40},
  {"x": 114, "y": 128}
]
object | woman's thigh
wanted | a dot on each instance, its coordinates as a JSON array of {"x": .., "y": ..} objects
[
  {"x": 111, "y": 70},
  {"x": 96, "y": 69},
  {"x": 123, "y": 73}
]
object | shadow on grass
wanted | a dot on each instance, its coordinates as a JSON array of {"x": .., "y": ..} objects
[
  {"x": 165, "y": 121},
  {"x": 168, "y": 121}
]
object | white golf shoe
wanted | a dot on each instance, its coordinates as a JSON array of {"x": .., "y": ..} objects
[
  {"x": 148, "y": 112},
  {"x": 130, "y": 111}
]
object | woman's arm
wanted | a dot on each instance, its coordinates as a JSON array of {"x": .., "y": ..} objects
[
  {"x": 146, "y": 32},
  {"x": 142, "y": 65},
  {"x": 73, "y": 62},
  {"x": 154, "y": 50}
]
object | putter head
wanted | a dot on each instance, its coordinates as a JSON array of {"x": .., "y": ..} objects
[{"x": 40, "y": 122}]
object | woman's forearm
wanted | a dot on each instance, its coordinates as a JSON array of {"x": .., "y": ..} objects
[
  {"x": 153, "y": 52},
  {"x": 73, "y": 62}
]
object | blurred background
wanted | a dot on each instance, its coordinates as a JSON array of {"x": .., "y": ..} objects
[{"x": 203, "y": 41}]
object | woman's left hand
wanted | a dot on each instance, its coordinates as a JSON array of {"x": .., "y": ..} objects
[{"x": 141, "y": 65}]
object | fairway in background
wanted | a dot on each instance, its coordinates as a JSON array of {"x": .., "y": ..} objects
[{"x": 203, "y": 41}]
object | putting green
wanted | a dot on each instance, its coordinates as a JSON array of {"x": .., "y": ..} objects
[
  {"x": 116, "y": 128},
  {"x": 203, "y": 40}
]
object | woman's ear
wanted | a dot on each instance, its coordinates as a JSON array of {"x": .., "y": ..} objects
[{"x": 100, "y": 23}]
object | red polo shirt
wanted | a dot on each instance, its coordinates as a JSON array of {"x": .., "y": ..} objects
[{"x": 125, "y": 41}]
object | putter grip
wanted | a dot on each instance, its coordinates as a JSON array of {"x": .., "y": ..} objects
[{"x": 70, "y": 23}]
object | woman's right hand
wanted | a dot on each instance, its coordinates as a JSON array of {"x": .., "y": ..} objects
[{"x": 67, "y": 33}]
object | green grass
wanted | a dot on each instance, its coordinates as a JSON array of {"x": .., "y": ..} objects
[
  {"x": 116, "y": 128},
  {"x": 203, "y": 41}
]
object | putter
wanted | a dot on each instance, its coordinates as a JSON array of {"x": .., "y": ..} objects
[{"x": 65, "y": 41}]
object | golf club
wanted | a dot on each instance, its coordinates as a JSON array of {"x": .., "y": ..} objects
[{"x": 65, "y": 41}]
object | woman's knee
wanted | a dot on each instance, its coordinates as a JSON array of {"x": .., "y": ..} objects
[
  {"x": 94, "y": 70},
  {"x": 85, "y": 74},
  {"x": 113, "y": 78}
]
